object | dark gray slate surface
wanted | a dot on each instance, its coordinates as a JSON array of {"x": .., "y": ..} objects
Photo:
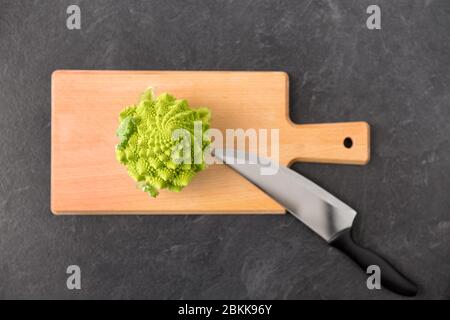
[{"x": 396, "y": 78}]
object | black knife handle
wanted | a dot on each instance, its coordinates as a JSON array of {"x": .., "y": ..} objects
[{"x": 390, "y": 277}]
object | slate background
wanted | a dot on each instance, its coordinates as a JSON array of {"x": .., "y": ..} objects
[{"x": 396, "y": 78}]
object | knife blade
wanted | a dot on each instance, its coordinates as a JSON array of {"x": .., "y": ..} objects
[{"x": 322, "y": 212}]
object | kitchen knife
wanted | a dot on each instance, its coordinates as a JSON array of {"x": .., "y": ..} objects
[{"x": 322, "y": 212}]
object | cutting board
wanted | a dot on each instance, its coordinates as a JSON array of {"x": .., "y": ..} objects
[{"x": 87, "y": 179}]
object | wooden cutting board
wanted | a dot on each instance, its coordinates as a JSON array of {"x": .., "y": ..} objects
[{"x": 87, "y": 179}]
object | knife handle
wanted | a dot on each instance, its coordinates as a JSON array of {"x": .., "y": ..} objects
[{"x": 390, "y": 277}]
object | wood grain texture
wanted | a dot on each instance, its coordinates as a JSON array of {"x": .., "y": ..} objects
[{"x": 87, "y": 179}]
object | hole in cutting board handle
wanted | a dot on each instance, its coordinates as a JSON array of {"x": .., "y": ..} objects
[{"x": 348, "y": 142}]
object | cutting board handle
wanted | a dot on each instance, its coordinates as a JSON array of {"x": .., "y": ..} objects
[{"x": 344, "y": 142}]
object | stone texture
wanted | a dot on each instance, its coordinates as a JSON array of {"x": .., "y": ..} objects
[{"x": 396, "y": 78}]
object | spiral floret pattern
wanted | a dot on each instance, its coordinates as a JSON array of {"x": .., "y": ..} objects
[{"x": 152, "y": 154}]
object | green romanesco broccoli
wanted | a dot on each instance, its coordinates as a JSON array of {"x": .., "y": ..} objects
[{"x": 149, "y": 149}]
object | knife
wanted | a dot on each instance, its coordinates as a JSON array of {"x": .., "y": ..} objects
[{"x": 322, "y": 212}]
